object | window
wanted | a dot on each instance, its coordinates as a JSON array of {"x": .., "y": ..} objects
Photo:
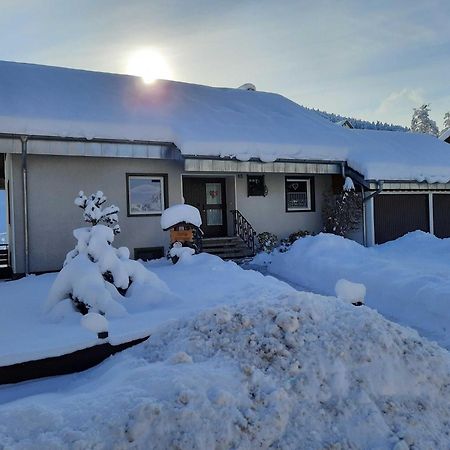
[
  {"x": 299, "y": 194},
  {"x": 146, "y": 194},
  {"x": 256, "y": 186}
]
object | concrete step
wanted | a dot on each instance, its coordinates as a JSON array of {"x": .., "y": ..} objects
[{"x": 232, "y": 247}]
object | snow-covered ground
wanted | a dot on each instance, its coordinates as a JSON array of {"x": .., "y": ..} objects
[
  {"x": 26, "y": 332},
  {"x": 243, "y": 361},
  {"x": 407, "y": 280}
]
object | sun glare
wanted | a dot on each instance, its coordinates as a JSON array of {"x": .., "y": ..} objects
[{"x": 150, "y": 65}]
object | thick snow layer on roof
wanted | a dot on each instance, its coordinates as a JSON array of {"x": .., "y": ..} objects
[{"x": 204, "y": 121}]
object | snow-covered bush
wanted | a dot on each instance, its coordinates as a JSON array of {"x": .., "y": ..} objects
[
  {"x": 267, "y": 242},
  {"x": 287, "y": 242},
  {"x": 95, "y": 275},
  {"x": 342, "y": 212},
  {"x": 93, "y": 212}
]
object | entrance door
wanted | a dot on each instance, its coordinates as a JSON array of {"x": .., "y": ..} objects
[{"x": 208, "y": 196}]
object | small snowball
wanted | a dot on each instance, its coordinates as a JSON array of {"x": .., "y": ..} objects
[
  {"x": 94, "y": 322},
  {"x": 350, "y": 292}
]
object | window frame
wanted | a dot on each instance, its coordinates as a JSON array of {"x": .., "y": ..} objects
[
  {"x": 263, "y": 193},
  {"x": 163, "y": 177},
  {"x": 310, "y": 190}
]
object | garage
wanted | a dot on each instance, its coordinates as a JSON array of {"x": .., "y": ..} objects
[
  {"x": 398, "y": 214},
  {"x": 441, "y": 215}
]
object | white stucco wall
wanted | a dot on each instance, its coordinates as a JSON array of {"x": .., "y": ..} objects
[
  {"x": 54, "y": 182},
  {"x": 269, "y": 213}
]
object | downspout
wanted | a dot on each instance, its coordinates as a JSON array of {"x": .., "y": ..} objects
[
  {"x": 343, "y": 169},
  {"x": 364, "y": 217},
  {"x": 365, "y": 200},
  {"x": 24, "y": 140}
]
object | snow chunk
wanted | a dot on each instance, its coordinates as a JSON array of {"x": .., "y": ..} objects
[
  {"x": 94, "y": 322},
  {"x": 184, "y": 253},
  {"x": 349, "y": 291},
  {"x": 348, "y": 184},
  {"x": 180, "y": 358},
  {"x": 180, "y": 213},
  {"x": 287, "y": 321}
]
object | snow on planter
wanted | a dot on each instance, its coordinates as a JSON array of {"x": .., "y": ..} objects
[
  {"x": 96, "y": 276},
  {"x": 96, "y": 323},
  {"x": 180, "y": 213},
  {"x": 350, "y": 292}
]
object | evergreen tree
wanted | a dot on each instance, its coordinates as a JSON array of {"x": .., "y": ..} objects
[
  {"x": 447, "y": 120},
  {"x": 422, "y": 123},
  {"x": 342, "y": 212}
]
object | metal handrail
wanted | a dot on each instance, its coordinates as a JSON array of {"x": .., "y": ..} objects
[{"x": 244, "y": 230}]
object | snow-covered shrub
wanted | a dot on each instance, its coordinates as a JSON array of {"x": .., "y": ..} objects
[
  {"x": 287, "y": 242},
  {"x": 93, "y": 212},
  {"x": 267, "y": 242},
  {"x": 342, "y": 212},
  {"x": 95, "y": 275}
]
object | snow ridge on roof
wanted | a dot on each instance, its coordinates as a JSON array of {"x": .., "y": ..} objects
[{"x": 204, "y": 121}]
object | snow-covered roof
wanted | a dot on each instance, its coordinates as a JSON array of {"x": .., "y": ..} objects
[
  {"x": 204, "y": 121},
  {"x": 445, "y": 135},
  {"x": 345, "y": 123}
]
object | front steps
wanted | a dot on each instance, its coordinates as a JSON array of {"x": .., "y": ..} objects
[{"x": 227, "y": 247}]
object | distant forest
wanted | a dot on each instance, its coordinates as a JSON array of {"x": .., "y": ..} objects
[{"x": 361, "y": 124}]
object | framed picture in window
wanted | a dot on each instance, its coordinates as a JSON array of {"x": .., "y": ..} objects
[
  {"x": 299, "y": 193},
  {"x": 146, "y": 194}
]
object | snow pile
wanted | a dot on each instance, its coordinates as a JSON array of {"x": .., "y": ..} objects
[
  {"x": 350, "y": 292},
  {"x": 180, "y": 213},
  {"x": 407, "y": 280},
  {"x": 301, "y": 371}
]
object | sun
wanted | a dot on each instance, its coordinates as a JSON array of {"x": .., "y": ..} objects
[{"x": 150, "y": 65}]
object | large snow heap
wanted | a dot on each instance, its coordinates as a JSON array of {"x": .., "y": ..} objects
[
  {"x": 96, "y": 277},
  {"x": 299, "y": 371}
]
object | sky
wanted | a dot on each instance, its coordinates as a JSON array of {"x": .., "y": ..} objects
[{"x": 373, "y": 60}]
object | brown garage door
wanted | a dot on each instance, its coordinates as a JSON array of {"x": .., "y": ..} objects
[
  {"x": 441, "y": 215},
  {"x": 396, "y": 215}
]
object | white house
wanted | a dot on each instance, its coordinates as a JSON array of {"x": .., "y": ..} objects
[{"x": 148, "y": 146}]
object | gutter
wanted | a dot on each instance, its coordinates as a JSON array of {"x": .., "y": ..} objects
[
  {"x": 24, "y": 140},
  {"x": 378, "y": 191}
]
